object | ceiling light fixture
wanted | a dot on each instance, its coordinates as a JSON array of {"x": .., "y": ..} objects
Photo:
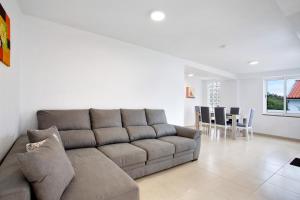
[
  {"x": 254, "y": 62},
  {"x": 157, "y": 16},
  {"x": 190, "y": 75}
]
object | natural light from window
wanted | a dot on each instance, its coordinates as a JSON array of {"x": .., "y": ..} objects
[{"x": 282, "y": 96}]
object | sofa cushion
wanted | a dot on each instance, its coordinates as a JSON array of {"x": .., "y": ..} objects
[
  {"x": 155, "y": 148},
  {"x": 111, "y": 135},
  {"x": 64, "y": 119},
  {"x": 134, "y": 117},
  {"x": 48, "y": 169},
  {"x": 155, "y": 116},
  {"x": 164, "y": 129},
  {"x": 77, "y": 139},
  {"x": 105, "y": 118},
  {"x": 39, "y": 135},
  {"x": 97, "y": 177},
  {"x": 13, "y": 184},
  {"x": 181, "y": 143},
  {"x": 140, "y": 132},
  {"x": 124, "y": 154}
]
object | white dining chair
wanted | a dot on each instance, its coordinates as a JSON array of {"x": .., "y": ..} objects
[{"x": 247, "y": 124}]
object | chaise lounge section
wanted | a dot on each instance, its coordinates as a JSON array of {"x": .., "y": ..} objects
[{"x": 108, "y": 149}]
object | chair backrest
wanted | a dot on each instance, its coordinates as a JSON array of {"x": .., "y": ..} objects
[
  {"x": 205, "y": 114},
  {"x": 234, "y": 110},
  {"x": 220, "y": 116},
  {"x": 250, "y": 117}
]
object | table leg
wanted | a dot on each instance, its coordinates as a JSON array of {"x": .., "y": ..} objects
[{"x": 234, "y": 126}]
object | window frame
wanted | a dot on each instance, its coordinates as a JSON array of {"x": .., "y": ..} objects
[{"x": 284, "y": 112}]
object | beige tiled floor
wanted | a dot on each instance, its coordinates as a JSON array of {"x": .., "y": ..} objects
[{"x": 231, "y": 170}]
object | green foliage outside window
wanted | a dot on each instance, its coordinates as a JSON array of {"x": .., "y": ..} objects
[{"x": 275, "y": 102}]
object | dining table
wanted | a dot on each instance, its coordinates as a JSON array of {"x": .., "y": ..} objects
[{"x": 233, "y": 118}]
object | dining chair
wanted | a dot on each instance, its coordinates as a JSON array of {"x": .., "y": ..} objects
[
  {"x": 205, "y": 118},
  {"x": 220, "y": 119},
  {"x": 233, "y": 111},
  {"x": 247, "y": 123}
]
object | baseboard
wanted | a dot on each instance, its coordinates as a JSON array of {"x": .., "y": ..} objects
[{"x": 277, "y": 136}]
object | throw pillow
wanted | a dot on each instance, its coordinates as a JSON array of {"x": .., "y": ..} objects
[
  {"x": 47, "y": 169},
  {"x": 39, "y": 135}
]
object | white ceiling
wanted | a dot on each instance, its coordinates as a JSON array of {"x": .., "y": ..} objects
[
  {"x": 194, "y": 29},
  {"x": 202, "y": 74}
]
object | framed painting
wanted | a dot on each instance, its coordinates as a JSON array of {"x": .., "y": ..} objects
[
  {"x": 4, "y": 37},
  {"x": 189, "y": 92}
]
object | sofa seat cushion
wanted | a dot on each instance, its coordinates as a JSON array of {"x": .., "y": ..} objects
[
  {"x": 64, "y": 119},
  {"x": 156, "y": 116},
  {"x": 181, "y": 143},
  {"x": 97, "y": 177},
  {"x": 105, "y": 118},
  {"x": 111, "y": 135},
  {"x": 140, "y": 132},
  {"x": 164, "y": 130},
  {"x": 78, "y": 139},
  {"x": 155, "y": 148},
  {"x": 124, "y": 154},
  {"x": 134, "y": 117}
]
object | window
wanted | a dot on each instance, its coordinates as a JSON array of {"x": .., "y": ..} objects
[
  {"x": 293, "y": 96},
  {"x": 214, "y": 93},
  {"x": 282, "y": 96},
  {"x": 275, "y": 95}
]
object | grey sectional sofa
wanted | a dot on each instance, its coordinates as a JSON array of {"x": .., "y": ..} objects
[{"x": 108, "y": 149}]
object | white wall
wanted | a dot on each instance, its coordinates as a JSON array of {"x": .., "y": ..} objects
[
  {"x": 229, "y": 93},
  {"x": 68, "y": 68},
  {"x": 9, "y": 82},
  {"x": 251, "y": 95},
  {"x": 190, "y": 103},
  {"x": 247, "y": 92}
]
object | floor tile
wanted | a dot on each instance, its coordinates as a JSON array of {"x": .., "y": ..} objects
[{"x": 257, "y": 169}]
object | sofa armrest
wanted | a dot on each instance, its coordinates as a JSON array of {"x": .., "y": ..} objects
[
  {"x": 187, "y": 132},
  {"x": 192, "y": 134}
]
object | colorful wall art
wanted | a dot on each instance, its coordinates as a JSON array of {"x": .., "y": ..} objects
[{"x": 4, "y": 37}]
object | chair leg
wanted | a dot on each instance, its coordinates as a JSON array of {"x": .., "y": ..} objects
[
  {"x": 251, "y": 132},
  {"x": 247, "y": 133}
]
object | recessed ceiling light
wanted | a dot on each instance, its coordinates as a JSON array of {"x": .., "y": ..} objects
[
  {"x": 157, "y": 15},
  {"x": 190, "y": 75},
  {"x": 254, "y": 62}
]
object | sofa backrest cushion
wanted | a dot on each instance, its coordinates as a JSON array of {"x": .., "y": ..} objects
[
  {"x": 64, "y": 119},
  {"x": 140, "y": 132},
  {"x": 164, "y": 130},
  {"x": 156, "y": 116},
  {"x": 133, "y": 117},
  {"x": 105, "y": 118},
  {"x": 73, "y": 139},
  {"x": 111, "y": 135}
]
